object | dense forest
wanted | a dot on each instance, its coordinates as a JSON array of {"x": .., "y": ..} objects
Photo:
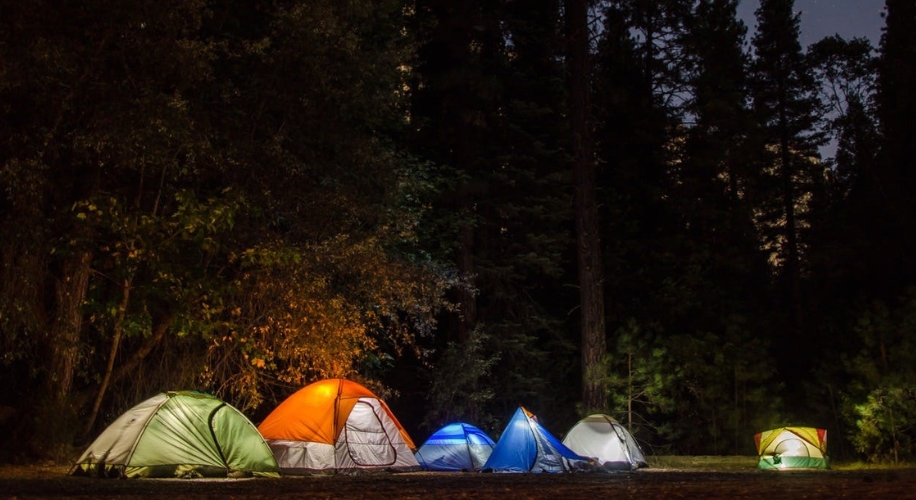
[{"x": 608, "y": 205}]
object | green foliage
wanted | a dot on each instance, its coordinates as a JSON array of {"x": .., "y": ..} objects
[
  {"x": 460, "y": 390},
  {"x": 700, "y": 392},
  {"x": 880, "y": 402},
  {"x": 887, "y": 354},
  {"x": 886, "y": 425},
  {"x": 230, "y": 174},
  {"x": 639, "y": 381}
]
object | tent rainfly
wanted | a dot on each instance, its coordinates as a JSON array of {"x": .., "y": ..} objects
[
  {"x": 603, "y": 438},
  {"x": 526, "y": 446},
  {"x": 183, "y": 434},
  {"x": 792, "y": 448},
  {"x": 455, "y": 447},
  {"x": 336, "y": 425}
]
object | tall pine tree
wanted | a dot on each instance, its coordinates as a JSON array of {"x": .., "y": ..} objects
[
  {"x": 785, "y": 108},
  {"x": 895, "y": 177},
  {"x": 487, "y": 111},
  {"x": 591, "y": 274}
]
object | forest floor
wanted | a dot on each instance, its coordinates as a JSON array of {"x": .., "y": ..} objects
[{"x": 657, "y": 482}]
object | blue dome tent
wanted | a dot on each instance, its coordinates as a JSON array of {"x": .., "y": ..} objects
[
  {"x": 526, "y": 446},
  {"x": 455, "y": 447}
]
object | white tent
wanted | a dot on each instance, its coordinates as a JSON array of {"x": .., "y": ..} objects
[{"x": 603, "y": 438}]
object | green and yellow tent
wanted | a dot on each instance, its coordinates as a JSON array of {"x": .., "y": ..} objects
[
  {"x": 179, "y": 434},
  {"x": 792, "y": 448}
]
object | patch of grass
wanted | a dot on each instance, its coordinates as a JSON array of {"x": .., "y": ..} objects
[
  {"x": 858, "y": 465},
  {"x": 737, "y": 462},
  {"x": 703, "y": 462}
]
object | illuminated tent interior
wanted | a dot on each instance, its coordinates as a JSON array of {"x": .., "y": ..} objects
[
  {"x": 604, "y": 439},
  {"x": 455, "y": 447},
  {"x": 792, "y": 448}
]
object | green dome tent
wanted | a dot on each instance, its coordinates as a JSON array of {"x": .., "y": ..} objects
[{"x": 179, "y": 434}]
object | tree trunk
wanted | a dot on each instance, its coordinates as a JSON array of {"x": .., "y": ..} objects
[
  {"x": 591, "y": 292},
  {"x": 70, "y": 292},
  {"x": 791, "y": 230},
  {"x": 159, "y": 331},
  {"x": 630, "y": 395},
  {"x": 118, "y": 332}
]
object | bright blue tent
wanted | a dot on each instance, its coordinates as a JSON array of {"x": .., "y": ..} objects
[
  {"x": 526, "y": 446},
  {"x": 455, "y": 447}
]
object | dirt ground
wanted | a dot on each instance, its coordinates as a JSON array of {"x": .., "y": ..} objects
[{"x": 644, "y": 484}]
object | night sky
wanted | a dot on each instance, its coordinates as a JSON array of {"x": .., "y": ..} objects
[{"x": 820, "y": 18}]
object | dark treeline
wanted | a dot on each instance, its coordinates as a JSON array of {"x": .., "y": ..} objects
[{"x": 618, "y": 206}]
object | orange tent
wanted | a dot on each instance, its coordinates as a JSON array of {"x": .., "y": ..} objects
[{"x": 336, "y": 424}]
